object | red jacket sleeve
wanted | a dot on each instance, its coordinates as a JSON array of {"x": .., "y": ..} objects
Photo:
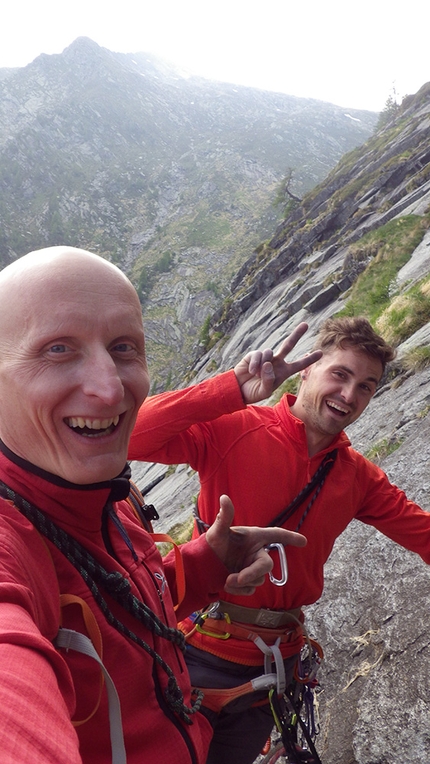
[
  {"x": 36, "y": 691},
  {"x": 160, "y": 433},
  {"x": 36, "y": 722}
]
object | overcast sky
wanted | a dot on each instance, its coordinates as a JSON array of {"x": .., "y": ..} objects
[{"x": 353, "y": 54}]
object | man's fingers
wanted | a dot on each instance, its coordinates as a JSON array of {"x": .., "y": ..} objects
[
  {"x": 295, "y": 539},
  {"x": 254, "y": 361},
  {"x": 281, "y": 536},
  {"x": 242, "y": 549},
  {"x": 304, "y": 362},
  {"x": 292, "y": 340},
  {"x": 225, "y": 515},
  {"x": 267, "y": 377},
  {"x": 257, "y": 359},
  {"x": 231, "y": 587},
  {"x": 254, "y": 574}
]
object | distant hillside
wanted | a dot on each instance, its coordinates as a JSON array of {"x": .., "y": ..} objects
[
  {"x": 172, "y": 178},
  {"x": 315, "y": 256}
]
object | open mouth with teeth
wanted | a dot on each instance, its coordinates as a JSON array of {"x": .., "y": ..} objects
[
  {"x": 337, "y": 409},
  {"x": 92, "y": 428}
]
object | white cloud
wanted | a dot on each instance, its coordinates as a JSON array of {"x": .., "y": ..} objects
[{"x": 350, "y": 54}]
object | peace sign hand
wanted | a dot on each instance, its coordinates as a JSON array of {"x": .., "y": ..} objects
[{"x": 260, "y": 372}]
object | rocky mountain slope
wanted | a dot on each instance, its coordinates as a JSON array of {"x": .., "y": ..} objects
[
  {"x": 359, "y": 243},
  {"x": 173, "y": 178}
]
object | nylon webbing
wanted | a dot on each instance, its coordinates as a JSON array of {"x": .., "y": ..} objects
[{"x": 73, "y": 640}]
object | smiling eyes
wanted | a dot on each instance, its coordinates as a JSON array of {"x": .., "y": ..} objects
[
  {"x": 57, "y": 349},
  {"x": 368, "y": 389},
  {"x": 121, "y": 348}
]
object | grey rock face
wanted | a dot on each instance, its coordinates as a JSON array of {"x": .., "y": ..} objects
[{"x": 372, "y": 619}]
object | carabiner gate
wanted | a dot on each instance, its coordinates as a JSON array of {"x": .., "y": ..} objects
[{"x": 283, "y": 563}]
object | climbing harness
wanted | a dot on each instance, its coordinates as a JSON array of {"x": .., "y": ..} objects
[
  {"x": 216, "y": 621},
  {"x": 217, "y": 624},
  {"x": 293, "y": 705}
]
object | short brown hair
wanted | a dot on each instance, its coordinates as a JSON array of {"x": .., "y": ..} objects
[{"x": 356, "y": 332}]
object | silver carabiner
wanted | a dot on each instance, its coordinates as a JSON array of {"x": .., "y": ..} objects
[{"x": 283, "y": 563}]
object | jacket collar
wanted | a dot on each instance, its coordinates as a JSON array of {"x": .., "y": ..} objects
[
  {"x": 75, "y": 506},
  {"x": 296, "y": 428}
]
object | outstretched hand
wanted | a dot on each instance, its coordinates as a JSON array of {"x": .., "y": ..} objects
[
  {"x": 262, "y": 371},
  {"x": 242, "y": 549}
]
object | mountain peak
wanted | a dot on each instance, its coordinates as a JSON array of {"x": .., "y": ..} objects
[{"x": 174, "y": 179}]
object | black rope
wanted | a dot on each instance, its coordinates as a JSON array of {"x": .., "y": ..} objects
[
  {"x": 315, "y": 484},
  {"x": 118, "y": 587}
]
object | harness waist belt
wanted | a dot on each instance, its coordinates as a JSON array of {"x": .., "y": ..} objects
[
  {"x": 215, "y": 627},
  {"x": 269, "y": 619}
]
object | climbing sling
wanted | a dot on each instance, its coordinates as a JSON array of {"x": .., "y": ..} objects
[{"x": 315, "y": 484}]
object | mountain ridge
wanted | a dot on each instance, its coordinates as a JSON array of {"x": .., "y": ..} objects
[{"x": 172, "y": 178}]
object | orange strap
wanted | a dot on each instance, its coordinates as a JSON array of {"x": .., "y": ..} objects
[
  {"x": 96, "y": 638},
  {"x": 216, "y": 699},
  {"x": 163, "y": 537}
]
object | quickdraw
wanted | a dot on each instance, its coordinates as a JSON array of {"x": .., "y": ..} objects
[
  {"x": 294, "y": 712},
  {"x": 199, "y": 625}
]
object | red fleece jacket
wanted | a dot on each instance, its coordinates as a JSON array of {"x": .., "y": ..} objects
[
  {"x": 42, "y": 688},
  {"x": 258, "y": 456}
]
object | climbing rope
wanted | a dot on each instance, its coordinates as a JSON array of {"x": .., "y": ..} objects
[{"x": 118, "y": 587}]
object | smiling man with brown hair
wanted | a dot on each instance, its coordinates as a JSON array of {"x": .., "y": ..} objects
[{"x": 290, "y": 464}]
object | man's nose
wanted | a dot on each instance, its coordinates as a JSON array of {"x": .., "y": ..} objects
[
  {"x": 102, "y": 379},
  {"x": 349, "y": 392}
]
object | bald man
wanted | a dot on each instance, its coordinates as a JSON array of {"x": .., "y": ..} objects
[{"x": 73, "y": 375}]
